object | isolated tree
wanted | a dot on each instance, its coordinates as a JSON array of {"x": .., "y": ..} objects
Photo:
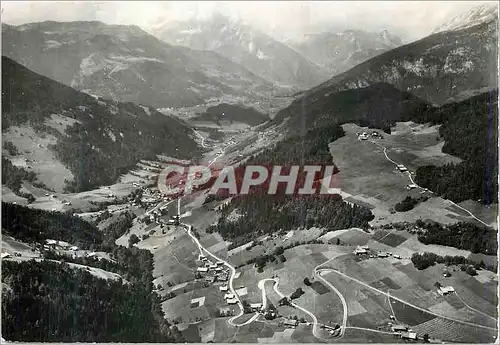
[
  {"x": 133, "y": 239},
  {"x": 426, "y": 338},
  {"x": 338, "y": 241},
  {"x": 470, "y": 270},
  {"x": 307, "y": 282},
  {"x": 437, "y": 284}
]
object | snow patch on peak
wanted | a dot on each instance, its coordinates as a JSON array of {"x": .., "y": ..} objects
[{"x": 479, "y": 15}]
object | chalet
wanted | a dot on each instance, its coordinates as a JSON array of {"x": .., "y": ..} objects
[
  {"x": 223, "y": 288},
  {"x": 411, "y": 186},
  {"x": 229, "y": 296},
  {"x": 256, "y": 306},
  {"x": 291, "y": 323},
  {"x": 445, "y": 290},
  {"x": 225, "y": 311},
  {"x": 74, "y": 248},
  {"x": 399, "y": 328},
  {"x": 409, "y": 335},
  {"x": 396, "y": 256},
  {"x": 401, "y": 167},
  {"x": 201, "y": 256},
  {"x": 202, "y": 269},
  {"x": 382, "y": 255},
  {"x": 360, "y": 251},
  {"x": 232, "y": 301}
]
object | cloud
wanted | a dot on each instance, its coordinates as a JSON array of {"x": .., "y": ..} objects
[{"x": 279, "y": 18}]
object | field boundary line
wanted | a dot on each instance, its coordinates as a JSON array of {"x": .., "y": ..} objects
[
  {"x": 370, "y": 330},
  {"x": 473, "y": 309},
  {"x": 413, "y": 182},
  {"x": 407, "y": 303}
]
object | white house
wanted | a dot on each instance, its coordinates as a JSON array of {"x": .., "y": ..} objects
[{"x": 445, "y": 290}]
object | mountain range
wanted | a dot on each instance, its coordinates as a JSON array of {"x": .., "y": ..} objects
[
  {"x": 246, "y": 46},
  {"x": 125, "y": 63},
  {"x": 341, "y": 51},
  {"x": 440, "y": 68},
  {"x": 49, "y": 124}
]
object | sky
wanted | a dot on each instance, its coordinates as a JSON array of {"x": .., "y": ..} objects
[{"x": 284, "y": 20}]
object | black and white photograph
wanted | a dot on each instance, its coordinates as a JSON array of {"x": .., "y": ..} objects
[{"x": 280, "y": 172}]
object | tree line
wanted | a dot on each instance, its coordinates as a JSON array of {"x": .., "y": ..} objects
[{"x": 50, "y": 301}]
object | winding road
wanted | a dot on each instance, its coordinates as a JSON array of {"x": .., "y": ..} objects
[
  {"x": 404, "y": 302},
  {"x": 413, "y": 182},
  {"x": 279, "y": 293}
]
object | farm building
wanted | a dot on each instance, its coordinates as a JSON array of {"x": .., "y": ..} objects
[
  {"x": 360, "y": 251},
  {"x": 223, "y": 288},
  {"x": 219, "y": 263},
  {"x": 213, "y": 266},
  {"x": 74, "y": 248},
  {"x": 225, "y": 311},
  {"x": 382, "y": 255},
  {"x": 256, "y": 306},
  {"x": 218, "y": 269},
  {"x": 211, "y": 280},
  {"x": 445, "y": 290},
  {"x": 291, "y": 323},
  {"x": 202, "y": 269},
  {"x": 201, "y": 257},
  {"x": 411, "y": 186},
  {"x": 232, "y": 301},
  {"x": 363, "y": 136},
  {"x": 228, "y": 296},
  {"x": 401, "y": 167},
  {"x": 409, "y": 335},
  {"x": 399, "y": 328}
]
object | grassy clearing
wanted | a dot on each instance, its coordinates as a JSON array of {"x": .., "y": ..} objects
[{"x": 409, "y": 315}]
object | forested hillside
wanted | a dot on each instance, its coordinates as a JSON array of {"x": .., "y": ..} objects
[
  {"x": 264, "y": 214},
  {"x": 106, "y": 138},
  {"x": 470, "y": 132},
  {"x": 51, "y": 301},
  {"x": 376, "y": 106}
]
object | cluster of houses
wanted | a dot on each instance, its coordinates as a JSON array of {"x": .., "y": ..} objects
[
  {"x": 212, "y": 272},
  {"x": 365, "y": 250},
  {"x": 404, "y": 332},
  {"x": 402, "y": 168},
  {"x": 365, "y": 135}
]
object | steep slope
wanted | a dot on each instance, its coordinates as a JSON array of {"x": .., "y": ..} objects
[
  {"x": 246, "y": 46},
  {"x": 96, "y": 139},
  {"x": 377, "y": 105},
  {"x": 124, "y": 63},
  {"x": 478, "y": 15},
  {"x": 440, "y": 68},
  {"x": 470, "y": 129},
  {"x": 343, "y": 50}
]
